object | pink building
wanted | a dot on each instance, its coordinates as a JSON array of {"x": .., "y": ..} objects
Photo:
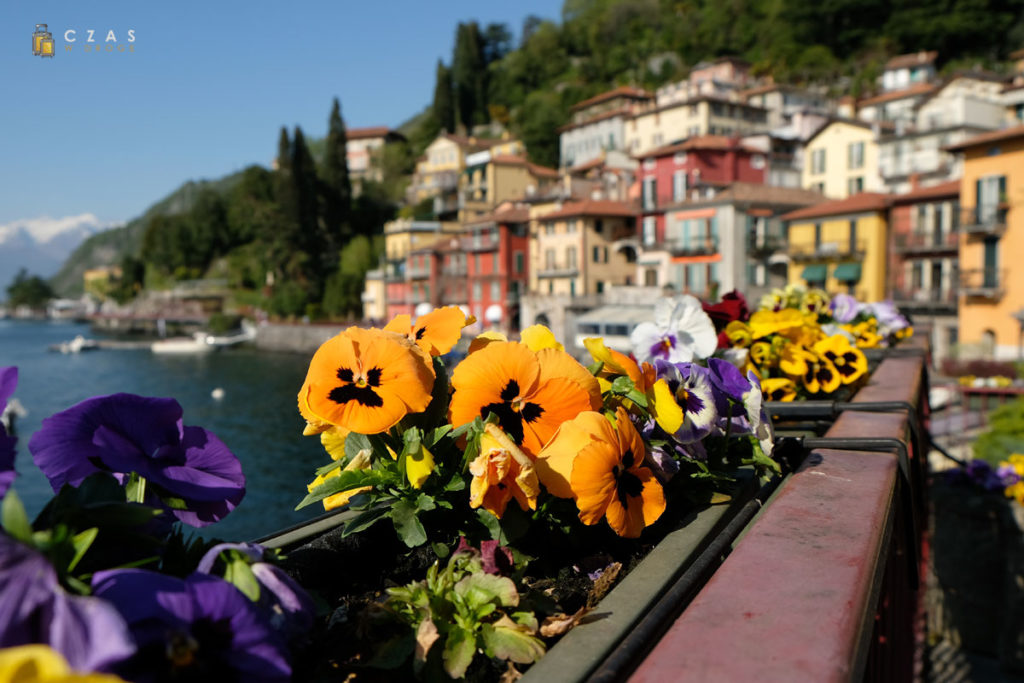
[{"x": 496, "y": 252}]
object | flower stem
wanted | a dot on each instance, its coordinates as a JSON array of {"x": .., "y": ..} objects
[{"x": 135, "y": 489}]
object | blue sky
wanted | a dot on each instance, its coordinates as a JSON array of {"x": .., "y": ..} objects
[{"x": 205, "y": 91}]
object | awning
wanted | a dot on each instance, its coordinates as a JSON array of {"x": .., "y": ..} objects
[
  {"x": 847, "y": 272},
  {"x": 815, "y": 273}
]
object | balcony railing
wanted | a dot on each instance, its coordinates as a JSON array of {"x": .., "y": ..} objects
[
  {"x": 454, "y": 270},
  {"x": 488, "y": 242},
  {"x": 698, "y": 247},
  {"x": 983, "y": 220},
  {"x": 925, "y": 297},
  {"x": 839, "y": 249},
  {"x": 418, "y": 273},
  {"x": 558, "y": 271},
  {"x": 926, "y": 241},
  {"x": 985, "y": 283},
  {"x": 764, "y": 244},
  {"x": 394, "y": 276}
]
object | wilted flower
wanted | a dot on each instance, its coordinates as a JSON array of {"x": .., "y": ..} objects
[
  {"x": 88, "y": 632},
  {"x": 199, "y": 628},
  {"x": 680, "y": 332},
  {"x": 501, "y": 472},
  {"x": 366, "y": 381},
  {"x": 188, "y": 469}
]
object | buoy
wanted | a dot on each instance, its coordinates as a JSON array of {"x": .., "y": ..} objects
[{"x": 217, "y": 393}]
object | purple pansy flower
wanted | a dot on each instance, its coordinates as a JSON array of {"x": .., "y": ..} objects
[
  {"x": 730, "y": 386},
  {"x": 88, "y": 632},
  {"x": 8, "y": 381},
  {"x": 199, "y": 628},
  {"x": 691, "y": 386},
  {"x": 287, "y": 605},
  {"x": 844, "y": 308},
  {"x": 124, "y": 433}
]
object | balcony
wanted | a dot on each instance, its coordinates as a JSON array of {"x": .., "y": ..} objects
[
  {"x": 418, "y": 273},
  {"x": 394, "y": 275},
  {"x": 930, "y": 298},
  {"x": 764, "y": 244},
  {"x": 699, "y": 247},
  {"x": 841, "y": 249},
  {"x": 984, "y": 221},
  {"x": 916, "y": 242},
  {"x": 983, "y": 283},
  {"x": 479, "y": 242},
  {"x": 454, "y": 270},
  {"x": 555, "y": 270}
]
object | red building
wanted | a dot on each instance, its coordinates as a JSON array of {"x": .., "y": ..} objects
[
  {"x": 674, "y": 173},
  {"x": 925, "y": 231},
  {"x": 496, "y": 252}
]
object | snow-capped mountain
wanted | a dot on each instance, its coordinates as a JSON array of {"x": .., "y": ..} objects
[{"x": 41, "y": 245}]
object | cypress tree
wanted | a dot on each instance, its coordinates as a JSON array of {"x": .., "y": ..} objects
[
  {"x": 469, "y": 76},
  {"x": 444, "y": 107},
  {"x": 337, "y": 186},
  {"x": 307, "y": 240}
]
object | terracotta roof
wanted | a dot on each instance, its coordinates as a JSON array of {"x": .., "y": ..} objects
[
  {"x": 769, "y": 194},
  {"x": 363, "y": 133},
  {"x": 858, "y": 203},
  {"x": 621, "y": 111},
  {"x": 948, "y": 189},
  {"x": 886, "y": 125},
  {"x": 592, "y": 207},
  {"x": 699, "y": 142},
  {"x": 912, "y": 59},
  {"x": 621, "y": 91},
  {"x": 912, "y": 91},
  {"x": 986, "y": 138},
  {"x": 516, "y": 215}
]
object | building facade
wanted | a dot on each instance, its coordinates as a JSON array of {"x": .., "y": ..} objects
[
  {"x": 991, "y": 306},
  {"x": 841, "y": 160},
  {"x": 362, "y": 145},
  {"x": 704, "y": 115},
  {"x": 598, "y": 125},
  {"x": 841, "y": 246},
  {"x": 495, "y": 250}
]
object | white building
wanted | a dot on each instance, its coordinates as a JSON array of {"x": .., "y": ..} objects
[{"x": 904, "y": 71}]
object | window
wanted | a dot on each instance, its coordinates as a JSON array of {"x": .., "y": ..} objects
[
  {"x": 589, "y": 328},
  {"x": 616, "y": 330},
  {"x": 853, "y": 237},
  {"x": 855, "y": 185},
  {"x": 597, "y": 254},
  {"x": 572, "y": 287},
  {"x": 570, "y": 257},
  {"x": 549, "y": 228},
  {"x": 494, "y": 262},
  {"x": 650, "y": 190},
  {"x": 679, "y": 158},
  {"x": 549, "y": 259},
  {"x": 817, "y": 236},
  {"x": 570, "y": 226},
  {"x": 599, "y": 287},
  {"x": 817, "y": 161},
  {"x": 519, "y": 261},
  {"x": 476, "y": 263},
  {"x": 650, "y": 226},
  {"x": 551, "y": 287},
  {"x": 818, "y": 187},
  {"x": 598, "y": 226},
  {"x": 757, "y": 162},
  {"x": 855, "y": 155},
  {"x": 477, "y": 295},
  {"x": 679, "y": 186},
  {"x": 649, "y": 164},
  {"x": 495, "y": 291},
  {"x": 651, "y": 277}
]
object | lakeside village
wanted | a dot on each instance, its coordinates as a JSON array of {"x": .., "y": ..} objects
[{"x": 719, "y": 182}]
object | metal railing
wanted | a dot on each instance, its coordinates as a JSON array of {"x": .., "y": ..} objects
[
  {"x": 764, "y": 244},
  {"x": 486, "y": 242},
  {"x": 558, "y": 271},
  {"x": 983, "y": 220},
  {"x": 834, "y": 249},
  {"x": 927, "y": 241},
  {"x": 702, "y": 246},
  {"x": 983, "y": 282},
  {"x": 937, "y": 297},
  {"x": 418, "y": 273}
]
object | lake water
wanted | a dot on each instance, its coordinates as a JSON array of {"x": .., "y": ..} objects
[{"x": 257, "y": 418}]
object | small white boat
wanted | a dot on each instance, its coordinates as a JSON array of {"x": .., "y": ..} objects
[{"x": 197, "y": 343}]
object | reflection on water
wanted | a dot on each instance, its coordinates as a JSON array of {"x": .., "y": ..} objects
[{"x": 257, "y": 417}]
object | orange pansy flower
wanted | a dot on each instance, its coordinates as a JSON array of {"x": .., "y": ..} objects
[
  {"x": 609, "y": 479},
  {"x": 436, "y": 332},
  {"x": 365, "y": 381},
  {"x": 500, "y": 473},
  {"x": 530, "y": 398}
]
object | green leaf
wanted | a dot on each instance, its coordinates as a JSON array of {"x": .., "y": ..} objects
[
  {"x": 479, "y": 589},
  {"x": 81, "y": 542},
  {"x": 14, "y": 519},
  {"x": 239, "y": 573},
  {"x": 492, "y": 523},
  {"x": 424, "y": 503},
  {"x": 459, "y": 650},
  {"x": 393, "y": 652},
  {"x": 407, "y": 524},
  {"x": 174, "y": 502},
  {"x": 335, "y": 464},
  {"x": 135, "y": 489},
  {"x": 622, "y": 385},
  {"x": 366, "y": 520},
  {"x": 441, "y": 550},
  {"x": 456, "y": 483},
  {"x": 355, "y": 443},
  {"x": 345, "y": 481},
  {"x": 595, "y": 368},
  {"x": 438, "y": 434},
  {"x": 637, "y": 397},
  {"x": 506, "y": 639}
]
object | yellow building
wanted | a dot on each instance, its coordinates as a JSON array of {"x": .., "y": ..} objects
[
  {"x": 702, "y": 115},
  {"x": 374, "y": 296},
  {"x": 841, "y": 160},
  {"x": 402, "y": 235},
  {"x": 100, "y": 281},
  {"x": 582, "y": 247},
  {"x": 991, "y": 310},
  {"x": 496, "y": 178},
  {"x": 840, "y": 245}
]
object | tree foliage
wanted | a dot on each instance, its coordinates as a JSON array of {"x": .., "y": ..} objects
[{"x": 28, "y": 290}]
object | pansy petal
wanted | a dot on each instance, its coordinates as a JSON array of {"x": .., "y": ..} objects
[
  {"x": 537, "y": 337},
  {"x": 557, "y": 363},
  {"x": 555, "y": 461},
  {"x": 438, "y": 331},
  {"x": 481, "y": 377},
  {"x": 485, "y": 338},
  {"x": 664, "y": 408},
  {"x": 559, "y": 399}
]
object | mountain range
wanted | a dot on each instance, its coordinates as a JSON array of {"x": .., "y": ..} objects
[{"x": 42, "y": 244}]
